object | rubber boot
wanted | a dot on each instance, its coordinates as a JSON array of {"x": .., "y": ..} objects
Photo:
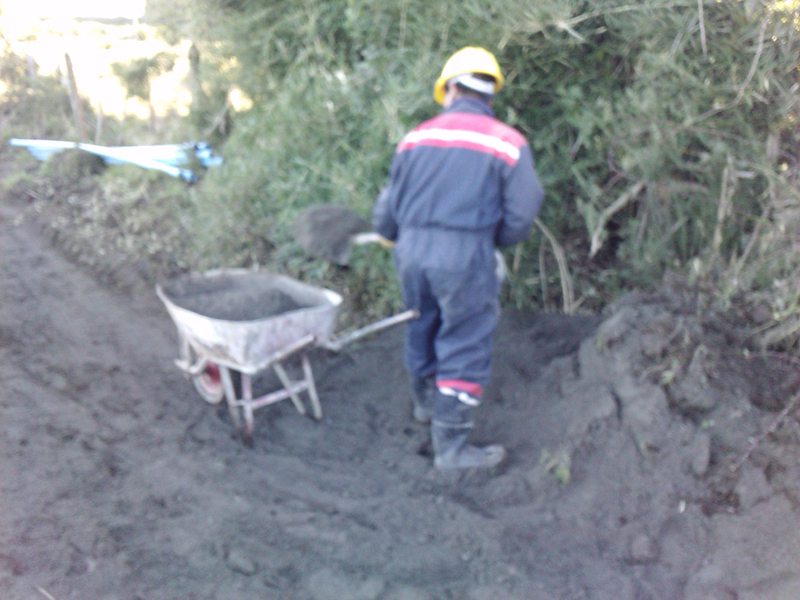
[
  {"x": 449, "y": 430},
  {"x": 422, "y": 396},
  {"x": 452, "y": 451}
]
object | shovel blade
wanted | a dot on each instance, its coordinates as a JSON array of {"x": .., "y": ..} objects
[{"x": 327, "y": 231}]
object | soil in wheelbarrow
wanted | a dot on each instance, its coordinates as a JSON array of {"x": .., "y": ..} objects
[
  {"x": 231, "y": 298},
  {"x": 649, "y": 459}
]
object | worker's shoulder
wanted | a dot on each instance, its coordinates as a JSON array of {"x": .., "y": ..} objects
[{"x": 479, "y": 124}]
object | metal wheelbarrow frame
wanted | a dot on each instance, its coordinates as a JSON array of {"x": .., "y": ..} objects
[{"x": 216, "y": 353}]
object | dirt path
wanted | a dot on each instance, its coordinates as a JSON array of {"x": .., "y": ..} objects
[{"x": 118, "y": 482}]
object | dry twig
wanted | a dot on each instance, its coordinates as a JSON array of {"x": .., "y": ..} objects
[
  {"x": 219, "y": 119},
  {"x": 563, "y": 268},
  {"x": 44, "y": 592},
  {"x": 702, "y": 19},
  {"x": 756, "y": 58}
]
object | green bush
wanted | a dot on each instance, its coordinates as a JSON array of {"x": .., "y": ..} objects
[
  {"x": 664, "y": 131},
  {"x": 678, "y": 108}
]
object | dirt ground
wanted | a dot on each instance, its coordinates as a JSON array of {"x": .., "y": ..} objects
[{"x": 653, "y": 456}]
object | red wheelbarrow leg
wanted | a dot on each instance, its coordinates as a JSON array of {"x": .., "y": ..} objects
[
  {"x": 312, "y": 388},
  {"x": 288, "y": 385},
  {"x": 247, "y": 408}
]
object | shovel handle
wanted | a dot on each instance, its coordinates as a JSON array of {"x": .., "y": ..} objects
[{"x": 370, "y": 237}]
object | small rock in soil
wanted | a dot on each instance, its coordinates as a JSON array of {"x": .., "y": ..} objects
[
  {"x": 643, "y": 549},
  {"x": 239, "y": 562},
  {"x": 282, "y": 578},
  {"x": 644, "y": 411},
  {"x": 700, "y": 453},
  {"x": 694, "y": 392}
]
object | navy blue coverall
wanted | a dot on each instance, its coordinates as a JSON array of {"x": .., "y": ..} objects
[{"x": 460, "y": 184}]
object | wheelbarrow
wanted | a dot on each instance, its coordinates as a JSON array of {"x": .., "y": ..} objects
[{"x": 235, "y": 323}]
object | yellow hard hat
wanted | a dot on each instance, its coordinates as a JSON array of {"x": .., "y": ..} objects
[{"x": 468, "y": 60}]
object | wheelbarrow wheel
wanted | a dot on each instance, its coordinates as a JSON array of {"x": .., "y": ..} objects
[{"x": 208, "y": 384}]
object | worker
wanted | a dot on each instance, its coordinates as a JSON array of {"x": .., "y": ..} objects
[{"x": 460, "y": 185}]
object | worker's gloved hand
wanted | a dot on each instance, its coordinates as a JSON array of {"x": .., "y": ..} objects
[{"x": 500, "y": 269}]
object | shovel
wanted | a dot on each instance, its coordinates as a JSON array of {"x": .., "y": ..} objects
[{"x": 330, "y": 231}]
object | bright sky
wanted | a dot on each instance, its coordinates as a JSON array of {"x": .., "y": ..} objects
[
  {"x": 92, "y": 48},
  {"x": 106, "y": 9}
]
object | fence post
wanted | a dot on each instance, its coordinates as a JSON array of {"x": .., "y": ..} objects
[{"x": 77, "y": 110}]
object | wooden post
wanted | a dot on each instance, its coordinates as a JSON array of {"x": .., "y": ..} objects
[
  {"x": 98, "y": 130},
  {"x": 77, "y": 109}
]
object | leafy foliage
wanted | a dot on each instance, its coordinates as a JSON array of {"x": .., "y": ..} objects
[
  {"x": 664, "y": 131},
  {"x": 137, "y": 74}
]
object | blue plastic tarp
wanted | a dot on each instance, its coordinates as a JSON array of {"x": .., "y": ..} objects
[{"x": 167, "y": 158}]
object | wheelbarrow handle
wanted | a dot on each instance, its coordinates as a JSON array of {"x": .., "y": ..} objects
[
  {"x": 337, "y": 344},
  {"x": 192, "y": 369}
]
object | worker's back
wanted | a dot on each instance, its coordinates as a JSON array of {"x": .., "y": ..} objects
[{"x": 454, "y": 182}]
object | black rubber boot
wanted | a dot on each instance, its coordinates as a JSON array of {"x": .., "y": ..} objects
[
  {"x": 449, "y": 430},
  {"x": 422, "y": 395}
]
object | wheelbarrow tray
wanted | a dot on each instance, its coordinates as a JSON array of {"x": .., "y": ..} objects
[
  {"x": 251, "y": 316},
  {"x": 233, "y": 323}
]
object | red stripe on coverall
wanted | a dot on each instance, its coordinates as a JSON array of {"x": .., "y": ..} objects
[
  {"x": 472, "y": 132},
  {"x": 473, "y": 389}
]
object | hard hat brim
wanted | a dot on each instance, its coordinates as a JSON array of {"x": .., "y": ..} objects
[
  {"x": 467, "y": 60},
  {"x": 438, "y": 87}
]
